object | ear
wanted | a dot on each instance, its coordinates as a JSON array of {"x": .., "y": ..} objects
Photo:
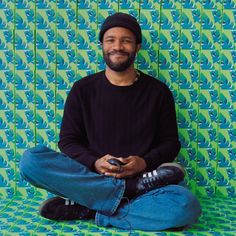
[
  {"x": 138, "y": 47},
  {"x": 100, "y": 45}
]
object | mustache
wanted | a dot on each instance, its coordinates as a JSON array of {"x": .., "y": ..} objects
[{"x": 118, "y": 52}]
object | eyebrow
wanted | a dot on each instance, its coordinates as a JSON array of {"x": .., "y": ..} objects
[{"x": 123, "y": 37}]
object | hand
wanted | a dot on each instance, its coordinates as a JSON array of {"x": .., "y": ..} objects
[
  {"x": 133, "y": 166},
  {"x": 102, "y": 166}
]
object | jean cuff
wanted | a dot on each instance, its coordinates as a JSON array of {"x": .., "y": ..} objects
[{"x": 102, "y": 219}]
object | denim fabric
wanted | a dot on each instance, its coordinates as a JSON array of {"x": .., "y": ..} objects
[
  {"x": 167, "y": 207},
  {"x": 63, "y": 176}
]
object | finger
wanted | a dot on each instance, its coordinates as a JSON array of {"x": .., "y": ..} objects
[
  {"x": 129, "y": 158},
  {"x": 110, "y": 174},
  {"x": 127, "y": 167},
  {"x": 107, "y": 157},
  {"x": 112, "y": 169},
  {"x": 108, "y": 166},
  {"x": 124, "y": 160},
  {"x": 116, "y": 175},
  {"x": 103, "y": 170},
  {"x": 122, "y": 175}
]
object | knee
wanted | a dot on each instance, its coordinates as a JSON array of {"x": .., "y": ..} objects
[
  {"x": 29, "y": 160},
  {"x": 25, "y": 163},
  {"x": 187, "y": 211}
]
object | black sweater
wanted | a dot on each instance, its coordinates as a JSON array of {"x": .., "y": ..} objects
[{"x": 101, "y": 118}]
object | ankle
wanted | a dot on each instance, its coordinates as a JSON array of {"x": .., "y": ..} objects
[{"x": 130, "y": 188}]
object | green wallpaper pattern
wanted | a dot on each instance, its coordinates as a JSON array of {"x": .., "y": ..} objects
[{"x": 191, "y": 45}]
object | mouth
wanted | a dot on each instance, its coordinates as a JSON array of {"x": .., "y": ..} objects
[
  {"x": 118, "y": 54},
  {"x": 118, "y": 57}
]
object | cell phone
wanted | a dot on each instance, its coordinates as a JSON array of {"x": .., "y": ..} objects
[{"x": 115, "y": 162}]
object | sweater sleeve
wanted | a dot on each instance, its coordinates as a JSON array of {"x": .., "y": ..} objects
[
  {"x": 167, "y": 142},
  {"x": 73, "y": 139}
]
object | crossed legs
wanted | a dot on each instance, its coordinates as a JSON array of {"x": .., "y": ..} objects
[{"x": 162, "y": 208}]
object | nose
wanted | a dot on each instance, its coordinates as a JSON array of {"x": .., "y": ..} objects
[{"x": 118, "y": 45}]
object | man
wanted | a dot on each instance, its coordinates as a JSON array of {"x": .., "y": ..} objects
[{"x": 118, "y": 128}]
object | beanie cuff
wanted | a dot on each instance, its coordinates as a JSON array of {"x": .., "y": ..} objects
[{"x": 122, "y": 20}]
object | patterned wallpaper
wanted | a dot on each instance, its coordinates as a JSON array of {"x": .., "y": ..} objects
[{"x": 46, "y": 45}]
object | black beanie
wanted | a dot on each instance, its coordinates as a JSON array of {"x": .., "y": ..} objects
[{"x": 121, "y": 20}]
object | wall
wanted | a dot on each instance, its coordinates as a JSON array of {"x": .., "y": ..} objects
[{"x": 191, "y": 45}]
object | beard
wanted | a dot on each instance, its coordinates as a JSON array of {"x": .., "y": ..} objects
[{"x": 119, "y": 66}]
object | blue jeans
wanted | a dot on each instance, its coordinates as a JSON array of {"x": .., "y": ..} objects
[{"x": 162, "y": 208}]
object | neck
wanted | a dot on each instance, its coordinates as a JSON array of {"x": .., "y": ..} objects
[{"x": 123, "y": 78}]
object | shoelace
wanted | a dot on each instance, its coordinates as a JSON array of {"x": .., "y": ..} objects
[
  {"x": 150, "y": 178},
  {"x": 74, "y": 210},
  {"x": 154, "y": 179},
  {"x": 69, "y": 202},
  {"x": 150, "y": 174}
]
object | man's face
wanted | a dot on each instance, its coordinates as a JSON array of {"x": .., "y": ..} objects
[{"x": 119, "y": 48}]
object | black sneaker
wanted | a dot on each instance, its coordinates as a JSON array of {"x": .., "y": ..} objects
[
  {"x": 61, "y": 209},
  {"x": 168, "y": 173}
]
